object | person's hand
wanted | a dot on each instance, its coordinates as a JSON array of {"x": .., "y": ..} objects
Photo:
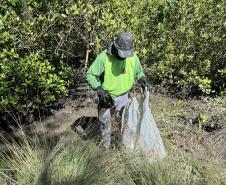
[
  {"x": 104, "y": 97},
  {"x": 101, "y": 93},
  {"x": 143, "y": 82}
]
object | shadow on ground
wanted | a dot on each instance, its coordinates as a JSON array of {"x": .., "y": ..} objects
[{"x": 87, "y": 127}]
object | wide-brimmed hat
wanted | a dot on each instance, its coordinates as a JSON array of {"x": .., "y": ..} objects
[{"x": 123, "y": 43}]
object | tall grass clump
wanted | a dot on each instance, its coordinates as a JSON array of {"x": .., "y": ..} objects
[
  {"x": 178, "y": 168},
  {"x": 75, "y": 161},
  {"x": 22, "y": 160},
  {"x": 70, "y": 161}
]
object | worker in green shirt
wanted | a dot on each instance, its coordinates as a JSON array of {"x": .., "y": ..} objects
[{"x": 112, "y": 75}]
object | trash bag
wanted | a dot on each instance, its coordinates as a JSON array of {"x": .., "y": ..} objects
[{"x": 139, "y": 130}]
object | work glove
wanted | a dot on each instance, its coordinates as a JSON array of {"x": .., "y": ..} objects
[
  {"x": 104, "y": 97},
  {"x": 144, "y": 83}
]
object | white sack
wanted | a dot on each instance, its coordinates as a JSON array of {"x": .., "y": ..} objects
[{"x": 139, "y": 130}]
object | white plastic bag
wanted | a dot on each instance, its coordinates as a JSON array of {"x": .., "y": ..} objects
[
  {"x": 130, "y": 120},
  {"x": 139, "y": 130}
]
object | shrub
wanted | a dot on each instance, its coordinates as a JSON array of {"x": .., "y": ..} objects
[
  {"x": 187, "y": 44},
  {"x": 182, "y": 42},
  {"x": 29, "y": 83}
]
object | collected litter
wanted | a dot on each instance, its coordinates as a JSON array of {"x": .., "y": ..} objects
[{"x": 139, "y": 130}]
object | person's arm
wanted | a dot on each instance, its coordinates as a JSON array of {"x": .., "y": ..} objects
[
  {"x": 95, "y": 70},
  {"x": 139, "y": 72}
]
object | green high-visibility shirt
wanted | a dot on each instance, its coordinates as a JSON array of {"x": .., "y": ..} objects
[{"x": 117, "y": 76}]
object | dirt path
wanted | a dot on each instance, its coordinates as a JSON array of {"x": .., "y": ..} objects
[{"x": 61, "y": 121}]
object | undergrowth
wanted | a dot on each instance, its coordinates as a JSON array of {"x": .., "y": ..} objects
[{"x": 30, "y": 161}]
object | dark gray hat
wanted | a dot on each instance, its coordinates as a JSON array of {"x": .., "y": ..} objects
[{"x": 124, "y": 44}]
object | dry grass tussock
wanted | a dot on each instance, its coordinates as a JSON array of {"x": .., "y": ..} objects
[{"x": 68, "y": 160}]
